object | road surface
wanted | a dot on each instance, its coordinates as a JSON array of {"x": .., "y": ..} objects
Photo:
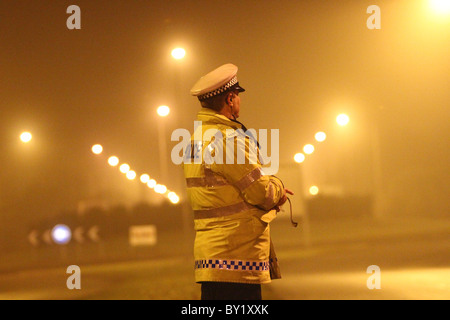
[{"x": 328, "y": 263}]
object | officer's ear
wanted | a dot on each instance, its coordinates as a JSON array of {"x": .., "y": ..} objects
[{"x": 230, "y": 97}]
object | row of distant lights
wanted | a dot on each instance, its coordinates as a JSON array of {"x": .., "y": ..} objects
[
  {"x": 113, "y": 161},
  {"x": 320, "y": 136},
  {"x": 125, "y": 168}
]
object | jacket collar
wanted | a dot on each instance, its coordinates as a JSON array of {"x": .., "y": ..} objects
[{"x": 211, "y": 116}]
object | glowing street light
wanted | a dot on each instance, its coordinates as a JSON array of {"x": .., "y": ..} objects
[
  {"x": 113, "y": 161},
  {"x": 314, "y": 190},
  {"x": 173, "y": 197},
  {"x": 124, "y": 168},
  {"x": 299, "y": 157},
  {"x": 160, "y": 188},
  {"x": 342, "y": 119},
  {"x": 308, "y": 149},
  {"x": 178, "y": 53},
  {"x": 151, "y": 183},
  {"x": 131, "y": 175},
  {"x": 62, "y": 232},
  {"x": 320, "y": 136},
  {"x": 26, "y": 137},
  {"x": 163, "y": 111},
  {"x": 440, "y": 6},
  {"x": 145, "y": 178},
  {"x": 97, "y": 149}
]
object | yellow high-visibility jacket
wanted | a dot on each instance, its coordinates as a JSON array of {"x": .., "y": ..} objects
[{"x": 233, "y": 203}]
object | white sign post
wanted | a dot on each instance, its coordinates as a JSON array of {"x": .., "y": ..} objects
[{"x": 142, "y": 235}]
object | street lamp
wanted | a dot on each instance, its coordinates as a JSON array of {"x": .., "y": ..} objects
[
  {"x": 440, "y": 6},
  {"x": 163, "y": 111},
  {"x": 124, "y": 168},
  {"x": 173, "y": 197},
  {"x": 131, "y": 175},
  {"x": 178, "y": 53},
  {"x": 145, "y": 178},
  {"x": 342, "y": 119},
  {"x": 113, "y": 161},
  {"x": 97, "y": 149},
  {"x": 26, "y": 137},
  {"x": 160, "y": 188},
  {"x": 320, "y": 136},
  {"x": 151, "y": 183},
  {"x": 314, "y": 190},
  {"x": 308, "y": 149},
  {"x": 299, "y": 157}
]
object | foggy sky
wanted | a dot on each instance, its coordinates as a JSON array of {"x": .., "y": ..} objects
[{"x": 301, "y": 62}]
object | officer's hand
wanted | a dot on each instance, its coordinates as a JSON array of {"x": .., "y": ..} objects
[{"x": 283, "y": 199}]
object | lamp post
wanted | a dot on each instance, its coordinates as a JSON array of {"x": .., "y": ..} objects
[
  {"x": 179, "y": 55},
  {"x": 378, "y": 206},
  {"x": 299, "y": 158},
  {"x": 163, "y": 112}
]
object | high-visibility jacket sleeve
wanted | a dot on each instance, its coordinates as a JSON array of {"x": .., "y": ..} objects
[{"x": 242, "y": 168}]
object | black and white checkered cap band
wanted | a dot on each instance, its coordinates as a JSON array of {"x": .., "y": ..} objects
[
  {"x": 232, "y": 265},
  {"x": 220, "y": 90}
]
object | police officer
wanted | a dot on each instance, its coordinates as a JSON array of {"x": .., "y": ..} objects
[{"x": 233, "y": 202}]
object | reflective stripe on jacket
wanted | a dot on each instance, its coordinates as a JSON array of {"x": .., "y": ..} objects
[{"x": 232, "y": 202}]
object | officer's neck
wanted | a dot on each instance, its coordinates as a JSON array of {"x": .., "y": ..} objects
[{"x": 227, "y": 112}]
